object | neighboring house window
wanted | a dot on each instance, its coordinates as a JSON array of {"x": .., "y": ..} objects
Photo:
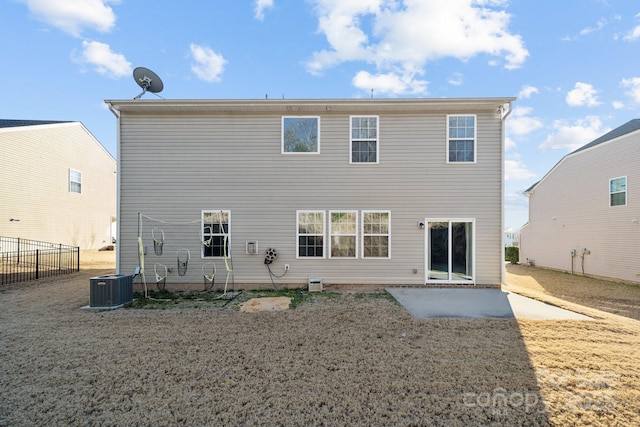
[
  {"x": 75, "y": 181},
  {"x": 461, "y": 138},
  {"x": 215, "y": 234},
  {"x": 375, "y": 234},
  {"x": 618, "y": 191},
  {"x": 300, "y": 135},
  {"x": 344, "y": 229},
  {"x": 364, "y": 139},
  {"x": 310, "y": 226}
]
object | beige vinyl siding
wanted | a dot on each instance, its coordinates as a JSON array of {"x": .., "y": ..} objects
[
  {"x": 34, "y": 171},
  {"x": 569, "y": 209},
  {"x": 174, "y": 164}
]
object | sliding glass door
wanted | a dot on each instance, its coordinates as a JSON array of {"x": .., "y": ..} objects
[{"x": 450, "y": 253}]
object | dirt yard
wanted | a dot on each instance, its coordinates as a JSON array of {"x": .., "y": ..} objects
[{"x": 336, "y": 359}]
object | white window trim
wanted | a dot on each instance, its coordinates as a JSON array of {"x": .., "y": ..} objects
[
  {"x": 626, "y": 188},
  {"x": 475, "y": 139},
  {"x": 72, "y": 181},
  {"x": 473, "y": 248},
  {"x": 362, "y": 234},
  {"x": 224, "y": 211},
  {"x": 377, "y": 139},
  {"x": 308, "y": 153},
  {"x": 324, "y": 233},
  {"x": 331, "y": 234}
]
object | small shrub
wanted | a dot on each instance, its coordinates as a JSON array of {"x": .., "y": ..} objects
[{"x": 512, "y": 254}]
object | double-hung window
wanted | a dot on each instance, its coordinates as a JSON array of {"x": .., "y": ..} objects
[
  {"x": 376, "y": 232},
  {"x": 310, "y": 234},
  {"x": 75, "y": 181},
  {"x": 364, "y": 139},
  {"x": 461, "y": 138},
  {"x": 618, "y": 191},
  {"x": 300, "y": 134},
  {"x": 215, "y": 234},
  {"x": 344, "y": 230}
]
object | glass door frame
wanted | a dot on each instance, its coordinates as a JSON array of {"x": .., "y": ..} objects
[{"x": 452, "y": 279}]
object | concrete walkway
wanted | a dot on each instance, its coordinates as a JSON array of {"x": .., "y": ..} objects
[{"x": 477, "y": 303}]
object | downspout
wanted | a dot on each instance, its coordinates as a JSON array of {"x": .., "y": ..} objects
[
  {"x": 503, "y": 116},
  {"x": 118, "y": 216}
]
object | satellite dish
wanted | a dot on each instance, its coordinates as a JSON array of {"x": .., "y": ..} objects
[{"x": 147, "y": 80}]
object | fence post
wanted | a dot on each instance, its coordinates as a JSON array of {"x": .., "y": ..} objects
[
  {"x": 78, "y": 251},
  {"x": 18, "y": 250},
  {"x": 37, "y": 263}
]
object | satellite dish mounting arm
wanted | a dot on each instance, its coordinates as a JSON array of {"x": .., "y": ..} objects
[
  {"x": 148, "y": 81},
  {"x": 145, "y": 83}
]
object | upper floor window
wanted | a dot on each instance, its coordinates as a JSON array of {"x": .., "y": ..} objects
[
  {"x": 300, "y": 134},
  {"x": 461, "y": 138},
  {"x": 364, "y": 139},
  {"x": 618, "y": 191},
  {"x": 75, "y": 181},
  {"x": 215, "y": 234},
  {"x": 310, "y": 232}
]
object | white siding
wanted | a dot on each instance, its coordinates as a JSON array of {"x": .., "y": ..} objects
[
  {"x": 174, "y": 164},
  {"x": 569, "y": 209},
  {"x": 34, "y": 171}
]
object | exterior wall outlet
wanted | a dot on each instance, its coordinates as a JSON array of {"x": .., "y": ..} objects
[{"x": 286, "y": 267}]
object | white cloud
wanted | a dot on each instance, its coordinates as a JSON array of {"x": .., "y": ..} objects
[
  {"x": 105, "y": 61},
  {"x": 599, "y": 25},
  {"x": 587, "y": 30},
  {"x": 527, "y": 91},
  {"x": 617, "y": 105},
  {"x": 260, "y": 7},
  {"x": 72, "y": 16},
  {"x": 583, "y": 94},
  {"x": 569, "y": 137},
  {"x": 633, "y": 84},
  {"x": 400, "y": 37},
  {"x": 633, "y": 34},
  {"x": 509, "y": 144},
  {"x": 521, "y": 123},
  {"x": 516, "y": 204},
  {"x": 207, "y": 65},
  {"x": 456, "y": 79},
  {"x": 389, "y": 83},
  {"x": 515, "y": 170}
]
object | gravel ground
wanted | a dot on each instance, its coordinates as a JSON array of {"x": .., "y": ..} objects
[{"x": 336, "y": 359}]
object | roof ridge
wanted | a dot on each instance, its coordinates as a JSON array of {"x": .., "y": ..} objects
[{"x": 9, "y": 123}]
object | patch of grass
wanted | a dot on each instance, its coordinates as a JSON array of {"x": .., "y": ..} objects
[
  {"x": 166, "y": 299},
  {"x": 383, "y": 295},
  {"x": 616, "y": 297},
  {"x": 213, "y": 299}
]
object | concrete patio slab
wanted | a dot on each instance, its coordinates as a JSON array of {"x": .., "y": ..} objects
[{"x": 477, "y": 303}]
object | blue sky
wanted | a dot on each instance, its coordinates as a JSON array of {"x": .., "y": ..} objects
[{"x": 572, "y": 64}]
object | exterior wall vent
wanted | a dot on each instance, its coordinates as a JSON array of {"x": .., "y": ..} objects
[
  {"x": 315, "y": 284},
  {"x": 251, "y": 247}
]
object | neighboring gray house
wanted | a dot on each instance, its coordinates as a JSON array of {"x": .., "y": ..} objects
[
  {"x": 357, "y": 191},
  {"x": 584, "y": 214},
  {"x": 58, "y": 184}
]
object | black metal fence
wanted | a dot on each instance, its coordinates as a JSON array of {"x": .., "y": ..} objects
[{"x": 22, "y": 260}]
